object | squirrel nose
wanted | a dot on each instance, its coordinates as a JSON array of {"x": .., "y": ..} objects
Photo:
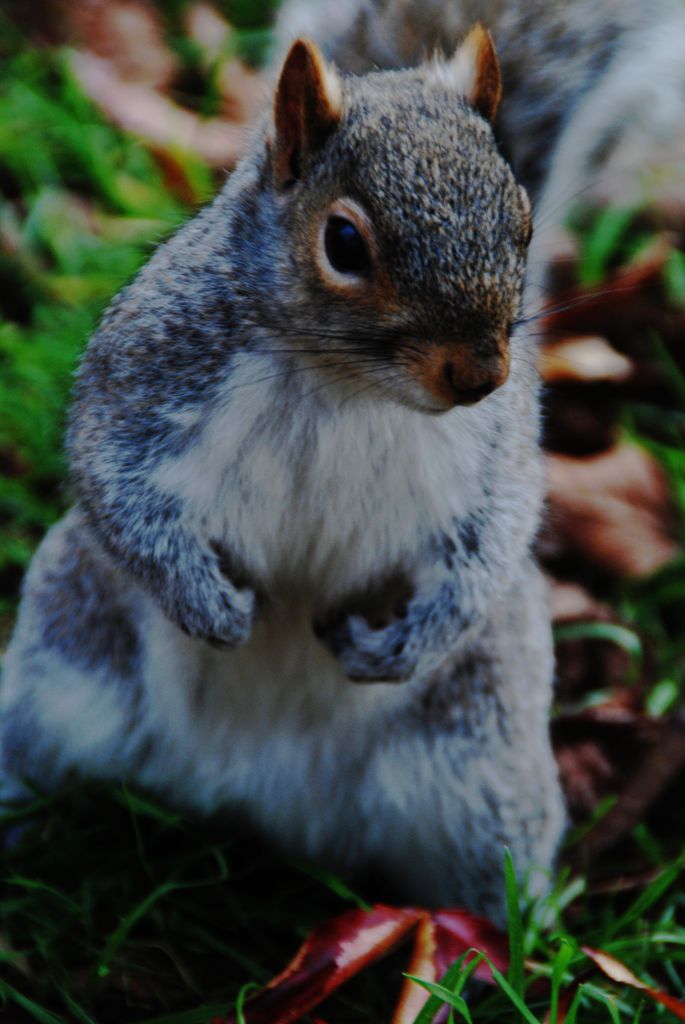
[
  {"x": 468, "y": 393},
  {"x": 458, "y": 373}
]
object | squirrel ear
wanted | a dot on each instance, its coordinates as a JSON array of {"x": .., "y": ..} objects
[
  {"x": 307, "y": 108},
  {"x": 475, "y": 70}
]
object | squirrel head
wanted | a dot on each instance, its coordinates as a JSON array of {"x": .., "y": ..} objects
[{"x": 398, "y": 234}]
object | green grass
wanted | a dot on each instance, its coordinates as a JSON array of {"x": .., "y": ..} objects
[{"x": 115, "y": 909}]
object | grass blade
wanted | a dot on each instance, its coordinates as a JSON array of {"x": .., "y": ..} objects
[
  {"x": 445, "y": 995},
  {"x": 512, "y": 995},
  {"x": 119, "y": 934},
  {"x": 515, "y": 925},
  {"x": 38, "y": 1013},
  {"x": 561, "y": 962},
  {"x": 454, "y": 980},
  {"x": 649, "y": 896}
]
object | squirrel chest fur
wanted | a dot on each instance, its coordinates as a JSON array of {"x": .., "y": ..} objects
[
  {"x": 324, "y": 496},
  {"x": 297, "y": 583}
]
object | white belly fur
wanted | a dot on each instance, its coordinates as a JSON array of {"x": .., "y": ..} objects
[
  {"x": 273, "y": 728},
  {"x": 323, "y": 498}
]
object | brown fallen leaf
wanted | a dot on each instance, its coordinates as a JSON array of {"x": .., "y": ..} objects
[
  {"x": 441, "y": 938},
  {"x": 337, "y": 949},
  {"x": 622, "y": 710},
  {"x": 331, "y": 953},
  {"x": 457, "y": 931},
  {"x": 663, "y": 762},
  {"x": 599, "y": 749},
  {"x": 617, "y": 971},
  {"x": 422, "y": 964},
  {"x": 584, "y": 359},
  {"x": 586, "y": 775},
  {"x": 157, "y": 119},
  {"x": 128, "y": 34},
  {"x": 613, "y": 509},
  {"x": 624, "y": 883},
  {"x": 572, "y": 603}
]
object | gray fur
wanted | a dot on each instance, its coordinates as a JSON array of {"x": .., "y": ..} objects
[
  {"x": 252, "y": 456},
  {"x": 166, "y": 343}
]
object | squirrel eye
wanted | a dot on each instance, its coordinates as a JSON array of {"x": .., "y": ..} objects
[{"x": 345, "y": 248}]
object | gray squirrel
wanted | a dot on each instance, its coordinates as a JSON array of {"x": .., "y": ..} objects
[{"x": 297, "y": 584}]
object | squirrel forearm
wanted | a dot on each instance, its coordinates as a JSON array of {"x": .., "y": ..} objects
[
  {"x": 179, "y": 568},
  {"x": 155, "y": 535},
  {"x": 462, "y": 571}
]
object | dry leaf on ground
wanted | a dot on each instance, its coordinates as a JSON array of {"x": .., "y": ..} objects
[
  {"x": 583, "y": 359},
  {"x": 441, "y": 938},
  {"x": 599, "y": 749},
  {"x": 336, "y": 950},
  {"x": 613, "y": 509},
  {"x": 586, "y": 775},
  {"x": 332, "y": 952},
  {"x": 662, "y": 763},
  {"x": 153, "y": 116},
  {"x": 128, "y": 34},
  {"x": 572, "y": 603},
  {"x": 618, "y": 972}
]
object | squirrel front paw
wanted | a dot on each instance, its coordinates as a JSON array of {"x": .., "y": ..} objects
[
  {"x": 420, "y": 635},
  {"x": 367, "y": 654},
  {"x": 207, "y": 606}
]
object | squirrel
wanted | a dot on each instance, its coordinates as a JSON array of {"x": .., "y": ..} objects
[{"x": 297, "y": 584}]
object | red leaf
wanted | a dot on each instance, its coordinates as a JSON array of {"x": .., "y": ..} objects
[
  {"x": 441, "y": 939},
  {"x": 422, "y": 964},
  {"x": 618, "y": 971},
  {"x": 331, "y": 953},
  {"x": 458, "y": 931}
]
